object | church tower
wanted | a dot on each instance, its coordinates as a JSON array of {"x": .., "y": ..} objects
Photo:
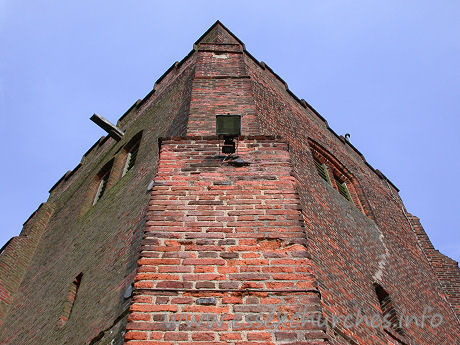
[{"x": 222, "y": 209}]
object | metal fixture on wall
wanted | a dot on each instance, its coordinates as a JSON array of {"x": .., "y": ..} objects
[{"x": 228, "y": 127}]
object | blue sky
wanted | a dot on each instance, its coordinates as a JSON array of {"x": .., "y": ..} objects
[{"x": 387, "y": 72}]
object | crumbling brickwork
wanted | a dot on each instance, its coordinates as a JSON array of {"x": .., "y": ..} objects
[{"x": 235, "y": 233}]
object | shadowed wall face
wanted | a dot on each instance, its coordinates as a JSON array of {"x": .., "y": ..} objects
[{"x": 102, "y": 240}]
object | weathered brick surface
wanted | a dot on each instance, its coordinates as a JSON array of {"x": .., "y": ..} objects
[
  {"x": 351, "y": 251},
  {"x": 218, "y": 228},
  {"x": 103, "y": 240},
  {"x": 233, "y": 233},
  {"x": 444, "y": 267},
  {"x": 17, "y": 254},
  {"x": 221, "y": 85}
]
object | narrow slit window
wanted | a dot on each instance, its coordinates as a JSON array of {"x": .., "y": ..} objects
[
  {"x": 131, "y": 158},
  {"x": 101, "y": 187},
  {"x": 387, "y": 307},
  {"x": 342, "y": 188},
  {"x": 71, "y": 297},
  {"x": 322, "y": 170}
]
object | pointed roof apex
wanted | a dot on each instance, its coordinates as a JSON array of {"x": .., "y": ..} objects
[{"x": 219, "y": 34}]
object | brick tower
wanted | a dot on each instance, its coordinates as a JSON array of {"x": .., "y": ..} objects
[{"x": 157, "y": 237}]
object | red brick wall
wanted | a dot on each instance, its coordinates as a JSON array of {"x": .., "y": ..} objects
[
  {"x": 103, "y": 240},
  {"x": 221, "y": 85},
  {"x": 444, "y": 267},
  {"x": 274, "y": 224},
  {"x": 214, "y": 226},
  {"x": 351, "y": 251},
  {"x": 17, "y": 254}
]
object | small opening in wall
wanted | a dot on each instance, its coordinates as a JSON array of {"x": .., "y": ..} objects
[
  {"x": 322, "y": 170},
  {"x": 132, "y": 150},
  {"x": 100, "y": 184},
  {"x": 131, "y": 159},
  {"x": 71, "y": 297},
  {"x": 388, "y": 309},
  {"x": 342, "y": 188},
  {"x": 101, "y": 187}
]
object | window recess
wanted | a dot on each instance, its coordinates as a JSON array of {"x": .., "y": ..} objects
[
  {"x": 331, "y": 170},
  {"x": 101, "y": 187},
  {"x": 131, "y": 159},
  {"x": 70, "y": 300},
  {"x": 322, "y": 170},
  {"x": 342, "y": 188},
  {"x": 388, "y": 309}
]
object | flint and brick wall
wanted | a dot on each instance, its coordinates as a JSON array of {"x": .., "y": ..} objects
[{"x": 232, "y": 233}]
